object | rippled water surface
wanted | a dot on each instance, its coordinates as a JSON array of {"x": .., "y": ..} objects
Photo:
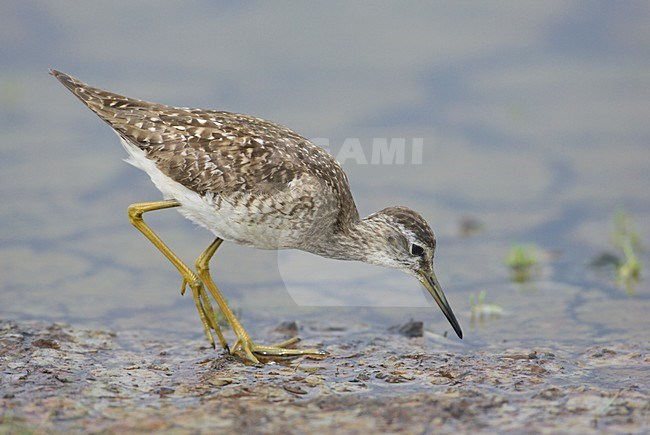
[{"x": 533, "y": 121}]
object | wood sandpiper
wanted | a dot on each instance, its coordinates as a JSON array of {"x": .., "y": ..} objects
[{"x": 255, "y": 183}]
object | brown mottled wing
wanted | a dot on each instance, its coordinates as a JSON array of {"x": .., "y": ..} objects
[{"x": 219, "y": 152}]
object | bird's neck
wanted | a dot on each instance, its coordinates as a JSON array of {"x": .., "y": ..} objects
[{"x": 355, "y": 242}]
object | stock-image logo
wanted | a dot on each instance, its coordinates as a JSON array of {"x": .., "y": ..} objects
[{"x": 377, "y": 151}]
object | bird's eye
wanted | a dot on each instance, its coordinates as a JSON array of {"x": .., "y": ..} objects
[{"x": 417, "y": 250}]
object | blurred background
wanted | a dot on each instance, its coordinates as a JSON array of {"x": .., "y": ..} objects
[{"x": 534, "y": 120}]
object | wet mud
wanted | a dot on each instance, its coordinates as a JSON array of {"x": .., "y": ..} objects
[{"x": 57, "y": 378}]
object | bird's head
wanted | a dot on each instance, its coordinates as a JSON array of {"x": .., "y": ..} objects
[{"x": 403, "y": 240}]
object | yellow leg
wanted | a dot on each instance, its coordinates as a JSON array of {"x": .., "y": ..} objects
[
  {"x": 244, "y": 342},
  {"x": 203, "y": 305}
]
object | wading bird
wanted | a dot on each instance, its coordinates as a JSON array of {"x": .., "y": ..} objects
[{"x": 256, "y": 183}]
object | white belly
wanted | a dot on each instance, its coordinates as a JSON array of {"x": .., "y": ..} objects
[{"x": 229, "y": 222}]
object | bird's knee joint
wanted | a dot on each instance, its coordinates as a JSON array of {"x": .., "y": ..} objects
[
  {"x": 135, "y": 214},
  {"x": 201, "y": 267}
]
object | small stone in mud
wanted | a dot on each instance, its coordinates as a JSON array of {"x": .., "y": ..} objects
[
  {"x": 603, "y": 353},
  {"x": 219, "y": 382},
  {"x": 288, "y": 328},
  {"x": 46, "y": 343},
  {"x": 446, "y": 374},
  {"x": 409, "y": 329},
  {"x": 532, "y": 355},
  {"x": 551, "y": 393},
  {"x": 165, "y": 391},
  {"x": 294, "y": 389}
]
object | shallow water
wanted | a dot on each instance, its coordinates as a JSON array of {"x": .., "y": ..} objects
[{"x": 535, "y": 125}]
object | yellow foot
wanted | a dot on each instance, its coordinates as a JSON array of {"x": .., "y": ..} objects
[{"x": 247, "y": 349}]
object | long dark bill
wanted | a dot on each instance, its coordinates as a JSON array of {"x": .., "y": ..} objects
[{"x": 431, "y": 284}]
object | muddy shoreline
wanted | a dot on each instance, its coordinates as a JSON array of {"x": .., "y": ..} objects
[{"x": 56, "y": 377}]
